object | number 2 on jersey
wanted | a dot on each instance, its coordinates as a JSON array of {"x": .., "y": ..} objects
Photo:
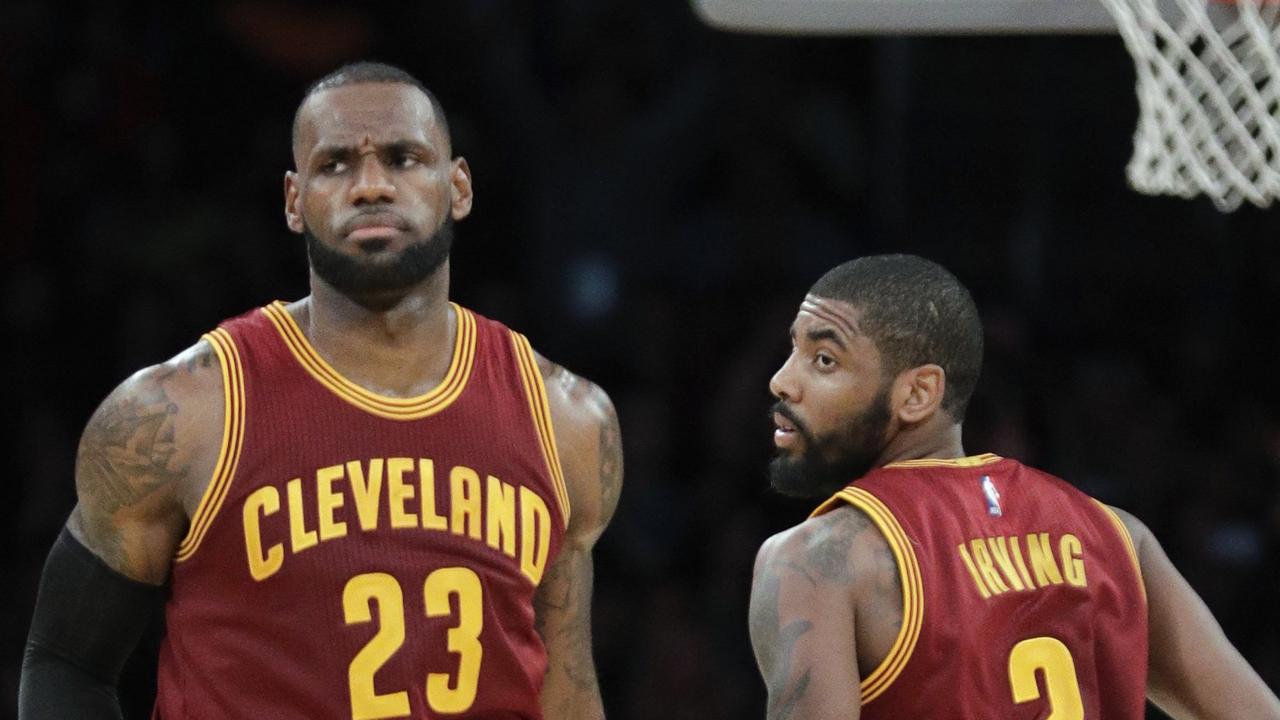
[
  {"x": 1051, "y": 656},
  {"x": 463, "y": 640}
]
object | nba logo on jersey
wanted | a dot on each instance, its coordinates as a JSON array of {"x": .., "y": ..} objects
[{"x": 992, "y": 495}]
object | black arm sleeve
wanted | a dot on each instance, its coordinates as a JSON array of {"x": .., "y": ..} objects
[{"x": 88, "y": 619}]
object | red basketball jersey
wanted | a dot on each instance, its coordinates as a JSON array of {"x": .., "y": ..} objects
[
  {"x": 358, "y": 556},
  {"x": 1022, "y": 597}
]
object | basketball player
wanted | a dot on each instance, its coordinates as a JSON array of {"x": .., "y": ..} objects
[
  {"x": 369, "y": 503},
  {"x": 935, "y": 584}
]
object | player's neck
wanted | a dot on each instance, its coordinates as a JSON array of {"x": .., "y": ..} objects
[
  {"x": 398, "y": 343},
  {"x": 939, "y": 438},
  {"x": 389, "y": 313}
]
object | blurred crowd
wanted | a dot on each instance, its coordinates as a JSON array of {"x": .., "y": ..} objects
[{"x": 652, "y": 200}]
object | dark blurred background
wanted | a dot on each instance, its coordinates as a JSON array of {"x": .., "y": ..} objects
[{"x": 652, "y": 199}]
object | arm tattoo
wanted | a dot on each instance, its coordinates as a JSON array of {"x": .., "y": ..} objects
[
  {"x": 562, "y": 604},
  {"x": 821, "y": 558},
  {"x": 126, "y": 455},
  {"x": 562, "y": 618},
  {"x": 775, "y": 645}
]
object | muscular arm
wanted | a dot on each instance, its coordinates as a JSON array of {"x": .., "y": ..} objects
[
  {"x": 128, "y": 475},
  {"x": 804, "y": 596},
  {"x": 101, "y": 581},
  {"x": 1194, "y": 671},
  {"x": 587, "y": 435}
]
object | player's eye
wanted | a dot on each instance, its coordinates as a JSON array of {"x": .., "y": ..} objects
[
  {"x": 824, "y": 361},
  {"x": 404, "y": 160},
  {"x": 332, "y": 167}
]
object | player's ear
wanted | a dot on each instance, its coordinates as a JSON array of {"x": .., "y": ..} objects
[
  {"x": 292, "y": 213},
  {"x": 460, "y": 189},
  {"x": 921, "y": 391}
]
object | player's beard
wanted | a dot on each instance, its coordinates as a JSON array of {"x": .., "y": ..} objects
[
  {"x": 830, "y": 462},
  {"x": 360, "y": 278}
]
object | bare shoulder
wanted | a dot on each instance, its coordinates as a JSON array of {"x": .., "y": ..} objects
[
  {"x": 583, "y": 406},
  {"x": 139, "y": 457},
  {"x": 590, "y": 444},
  {"x": 1138, "y": 531},
  {"x": 805, "y": 597},
  {"x": 839, "y": 547}
]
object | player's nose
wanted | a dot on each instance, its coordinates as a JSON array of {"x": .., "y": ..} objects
[
  {"x": 372, "y": 183},
  {"x": 783, "y": 384}
]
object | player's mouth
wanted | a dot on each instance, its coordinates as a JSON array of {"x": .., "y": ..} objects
[
  {"x": 383, "y": 233},
  {"x": 375, "y": 229},
  {"x": 785, "y": 433}
]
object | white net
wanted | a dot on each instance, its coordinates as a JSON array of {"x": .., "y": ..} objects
[{"x": 1208, "y": 91}]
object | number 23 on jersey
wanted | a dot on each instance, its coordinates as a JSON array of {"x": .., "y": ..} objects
[{"x": 447, "y": 693}]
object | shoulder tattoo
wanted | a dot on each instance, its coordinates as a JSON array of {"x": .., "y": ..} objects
[
  {"x": 127, "y": 456},
  {"x": 819, "y": 554},
  {"x": 199, "y": 357},
  {"x": 827, "y": 552}
]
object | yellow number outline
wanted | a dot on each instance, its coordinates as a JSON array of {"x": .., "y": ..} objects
[{"x": 463, "y": 640}]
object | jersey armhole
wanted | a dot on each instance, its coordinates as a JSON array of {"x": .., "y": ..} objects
[
  {"x": 232, "y": 441},
  {"x": 1123, "y": 531},
  {"x": 874, "y": 684},
  {"x": 535, "y": 393}
]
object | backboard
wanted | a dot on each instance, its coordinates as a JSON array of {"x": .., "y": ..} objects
[{"x": 877, "y": 17}]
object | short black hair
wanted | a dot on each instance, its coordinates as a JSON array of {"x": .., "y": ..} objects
[
  {"x": 916, "y": 312},
  {"x": 368, "y": 71}
]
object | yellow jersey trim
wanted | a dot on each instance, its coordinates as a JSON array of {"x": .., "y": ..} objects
[
  {"x": 1128, "y": 544},
  {"x": 391, "y": 408},
  {"x": 874, "y": 685},
  {"x": 971, "y": 461},
  {"x": 233, "y": 400},
  {"x": 535, "y": 393}
]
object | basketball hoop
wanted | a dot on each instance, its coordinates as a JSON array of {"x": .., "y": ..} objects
[
  {"x": 1208, "y": 76},
  {"x": 1208, "y": 90}
]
